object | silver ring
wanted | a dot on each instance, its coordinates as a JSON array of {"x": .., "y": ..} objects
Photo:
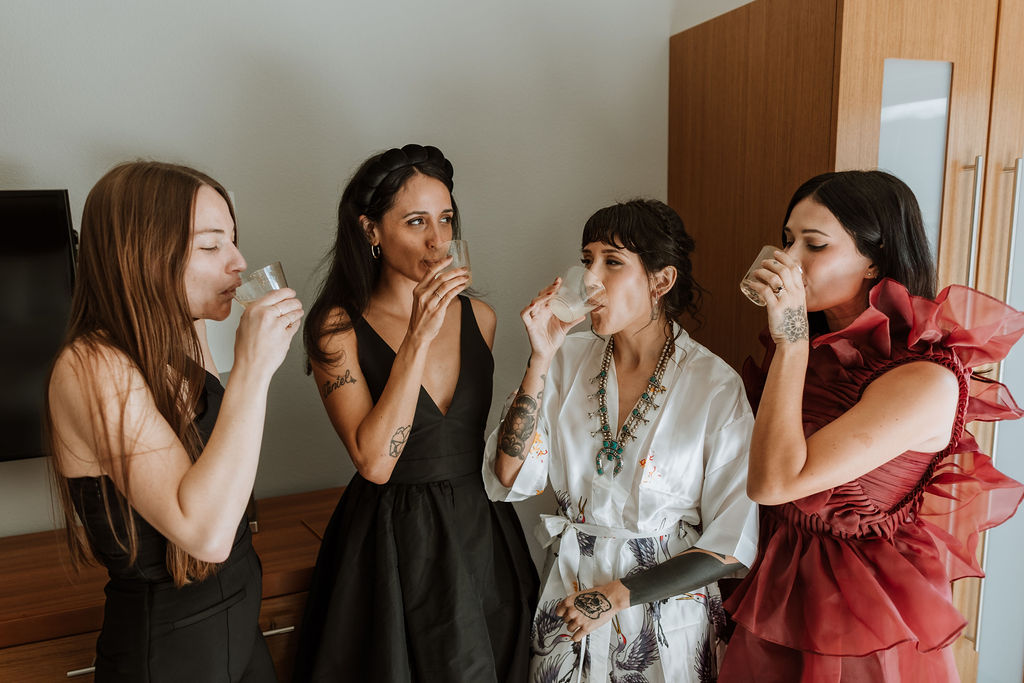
[
  {"x": 438, "y": 295},
  {"x": 279, "y": 313}
]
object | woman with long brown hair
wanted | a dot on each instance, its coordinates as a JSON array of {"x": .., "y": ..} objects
[{"x": 151, "y": 454}]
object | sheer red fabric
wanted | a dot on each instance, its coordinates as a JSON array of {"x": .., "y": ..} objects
[{"x": 853, "y": 583}]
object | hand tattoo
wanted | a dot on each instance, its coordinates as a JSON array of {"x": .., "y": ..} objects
[
  {"x": 339, "y": 381},
  {"x": 592, "y": 604},
  {"x": 794, "y": 324},
  {"x": 519, "y": 426},
  {"x": 398, "y": 440}
]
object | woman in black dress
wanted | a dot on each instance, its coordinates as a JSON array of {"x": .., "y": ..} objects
[
  {"x": 151, "y": 454},
  {"x": 420, "y": 577}
]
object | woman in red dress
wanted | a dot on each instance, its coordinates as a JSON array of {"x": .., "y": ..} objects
[{"x": 861, "y": 402}]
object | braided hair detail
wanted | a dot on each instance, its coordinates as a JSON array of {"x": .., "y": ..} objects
[{"x": 396, "y": 159}]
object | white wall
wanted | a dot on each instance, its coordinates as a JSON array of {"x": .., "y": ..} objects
[
  {"x": 549, "y": 110},
  {"x": 687, "y": 13}
]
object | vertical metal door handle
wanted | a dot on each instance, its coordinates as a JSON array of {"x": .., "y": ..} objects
[
  {"x": 1018, "y": 176},
  {"x": 972, "y": 252}
]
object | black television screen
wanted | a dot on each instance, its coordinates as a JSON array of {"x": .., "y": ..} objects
[{"x": 37, "y": 272}]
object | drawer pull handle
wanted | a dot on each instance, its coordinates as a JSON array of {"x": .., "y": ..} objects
[
  {"x": 278, "y": 631},
  {"x": 75, "y": 673}
]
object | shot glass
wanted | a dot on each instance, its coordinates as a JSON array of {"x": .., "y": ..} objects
[
  {"x": 459, "y": 251},
  {"x": 260, "y": 281},
  {"x": 767, "y": 252},
  {"x": 580, "y": 292}
]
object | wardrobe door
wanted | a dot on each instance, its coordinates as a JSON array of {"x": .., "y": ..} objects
[
  {"x": 1000, "y": 270},
  {"x": 890, "y": 39},
  {"x": 750, "y": 108}
]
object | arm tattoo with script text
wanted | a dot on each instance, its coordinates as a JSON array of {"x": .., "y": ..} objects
[
  {"x": 592, "y": 604},
  {"x": 794, "y": 324},
  {"x": 339, "y": 381},
  {"x": 398, "y": 440}
]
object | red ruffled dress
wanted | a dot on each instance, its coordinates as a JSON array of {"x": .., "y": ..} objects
[{"x": 853, "y": 583}]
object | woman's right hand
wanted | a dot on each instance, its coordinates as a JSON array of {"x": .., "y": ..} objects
[
  {"x": 266, "y": 329},
  {"x": 546, "y": 332},
  {"x": 431, "y": 299}
]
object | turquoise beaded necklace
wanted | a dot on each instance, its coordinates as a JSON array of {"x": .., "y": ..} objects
[{"x": 611, "y": 448}]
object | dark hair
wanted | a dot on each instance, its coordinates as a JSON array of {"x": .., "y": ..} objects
[
  {"x": 352, "y": 270},
  {"x": 653, "y": 231},
  {"x": 881, "y": 213}
]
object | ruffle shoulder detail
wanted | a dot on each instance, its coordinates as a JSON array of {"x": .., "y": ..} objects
[{"x": 866, "y": 565}]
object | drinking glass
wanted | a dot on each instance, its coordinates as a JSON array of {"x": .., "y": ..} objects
[
  {"x": 767, "y": 252},
  {"x": 580, "y": 292},
  {"x": 260, "y": 281},
  {"x": 459, "y": 251}
]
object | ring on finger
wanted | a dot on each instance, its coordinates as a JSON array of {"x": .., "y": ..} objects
[
  {"x": 437, "y": 293},
  {"x": 779, "y": 290},
  {"x": 279, "y": 313}
]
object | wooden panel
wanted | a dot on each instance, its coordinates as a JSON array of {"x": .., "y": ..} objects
[
  {"x": 1005, "y": 145},
  {"x": 957, "y": 31},
  {"x": 42, "y": 598},
  {"x": 750, "y": 108},
  {"x": 50, "y": 660},
  {"x": 289, "y": 538}
]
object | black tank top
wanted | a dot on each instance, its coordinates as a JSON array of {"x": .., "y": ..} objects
[{"x": 88, "y": 494}]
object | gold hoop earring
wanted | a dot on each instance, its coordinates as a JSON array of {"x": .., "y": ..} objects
[{"x": 375, "y": 251}]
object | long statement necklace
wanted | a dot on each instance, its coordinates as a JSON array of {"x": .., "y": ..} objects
[{"x": 611, "y": 446}]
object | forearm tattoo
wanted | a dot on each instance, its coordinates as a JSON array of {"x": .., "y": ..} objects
[
  {"x": 794, "y": 324},
  {"x": 519, "y": 426},
  {"x": 339, "y": 381},
  {"x": 398, "y": 440},
  {"x": 592, "y": 604}
]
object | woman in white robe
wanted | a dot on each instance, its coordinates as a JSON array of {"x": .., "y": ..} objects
[{"x": 667, "y": 482}]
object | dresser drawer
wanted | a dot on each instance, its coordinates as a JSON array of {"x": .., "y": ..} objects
[
  {"x": 61, "y": 659},
  {"x": 280, "y": 619}
]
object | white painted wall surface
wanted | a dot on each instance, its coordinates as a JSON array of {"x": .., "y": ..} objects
[{"x": 549, "y": 110}]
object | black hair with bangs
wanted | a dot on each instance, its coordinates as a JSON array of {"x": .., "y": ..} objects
[{"x": 654, "y": 232}]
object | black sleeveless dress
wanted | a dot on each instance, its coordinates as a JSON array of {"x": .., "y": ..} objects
[
  {"x": 153, "y": 632},
  {"x": 423, "y": 578}
]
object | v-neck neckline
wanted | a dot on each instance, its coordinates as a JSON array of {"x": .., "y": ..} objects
[{"x": 423, "y": 389}]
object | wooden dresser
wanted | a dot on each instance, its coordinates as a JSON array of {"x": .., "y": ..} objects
[{"x": 50, "y": 617}]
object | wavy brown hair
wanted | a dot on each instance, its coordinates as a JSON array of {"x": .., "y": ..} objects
[{"x": 130, "y": 300}]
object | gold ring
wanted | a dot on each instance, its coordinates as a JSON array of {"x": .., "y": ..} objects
[{"x": 438, "y": 295}]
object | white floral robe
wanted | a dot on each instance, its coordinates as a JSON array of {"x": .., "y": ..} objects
[{"x": 682, "y": 484}]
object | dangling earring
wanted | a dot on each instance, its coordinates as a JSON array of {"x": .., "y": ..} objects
[
  {"x": 654, "y": 308},
  {"x": 375, "y": 251}
]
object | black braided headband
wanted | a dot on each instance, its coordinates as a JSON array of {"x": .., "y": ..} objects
[{"x": 395, "y": 159}]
